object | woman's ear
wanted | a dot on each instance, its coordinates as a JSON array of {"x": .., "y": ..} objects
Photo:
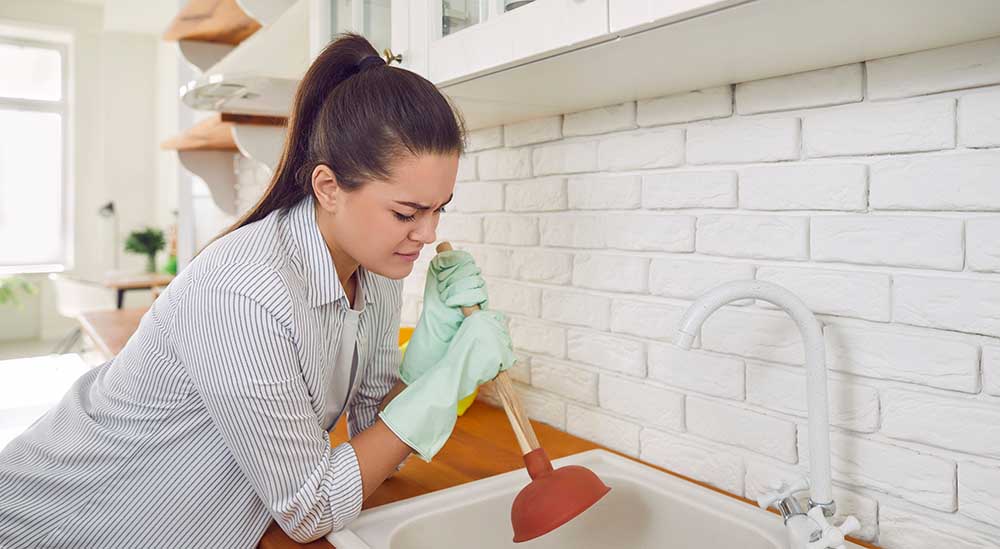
[{"x": 325, "y": 187}]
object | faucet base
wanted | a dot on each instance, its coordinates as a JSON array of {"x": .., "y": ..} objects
[{"x": 829, "y": 508}]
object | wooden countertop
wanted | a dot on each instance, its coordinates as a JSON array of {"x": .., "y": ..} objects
[
  {"x": 482, "y": 445},
  {"x": 110, "y": 329}
]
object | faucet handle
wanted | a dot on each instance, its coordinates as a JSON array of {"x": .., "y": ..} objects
[
  {"x": 780, "y": 490},
  {"x": 832, "y": 537}
]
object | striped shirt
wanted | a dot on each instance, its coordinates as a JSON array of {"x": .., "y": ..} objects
[{"x": 213, "y": 419}]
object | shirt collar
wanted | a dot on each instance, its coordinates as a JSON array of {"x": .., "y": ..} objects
[{"x": 323, "y": 284}]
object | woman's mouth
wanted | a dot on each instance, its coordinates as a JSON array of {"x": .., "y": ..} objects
[{"x": 409, "y": 257}]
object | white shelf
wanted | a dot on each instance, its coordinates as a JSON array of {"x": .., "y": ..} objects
[
  {"x": 707, "y": 44},
  {"x": 260, "y": 75}
]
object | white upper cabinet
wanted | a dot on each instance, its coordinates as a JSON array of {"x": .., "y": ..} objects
[
  {"x": 549, "y": 57},
  {"x": 470, "y": 38}
]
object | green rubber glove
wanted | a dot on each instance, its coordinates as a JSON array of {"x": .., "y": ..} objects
[
  {"x": 423, "y": 415},
  {"x": 453, "y": 281}
]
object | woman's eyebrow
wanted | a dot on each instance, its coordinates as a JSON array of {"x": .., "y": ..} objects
[{"x": 416, "y": 206}]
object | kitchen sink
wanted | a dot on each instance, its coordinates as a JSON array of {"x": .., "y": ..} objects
[{"x": 646, "y": 508}]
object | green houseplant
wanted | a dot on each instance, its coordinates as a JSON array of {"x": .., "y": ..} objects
[
  {"x": 147, "y": 242},
  {"x": 11, "y": 286}
]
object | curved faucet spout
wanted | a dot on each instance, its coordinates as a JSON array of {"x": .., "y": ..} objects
[{"x": 815, "y": 356}]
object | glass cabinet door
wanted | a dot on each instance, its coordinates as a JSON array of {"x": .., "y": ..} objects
[
  {"x": 461, "y": 14},
  {"x": 370, "y": 18}
]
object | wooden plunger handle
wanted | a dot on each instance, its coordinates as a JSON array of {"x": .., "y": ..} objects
[{"x": 526, "y": 438}]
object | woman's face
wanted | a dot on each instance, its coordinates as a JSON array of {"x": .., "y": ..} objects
[{"x": 383, "y": 225}]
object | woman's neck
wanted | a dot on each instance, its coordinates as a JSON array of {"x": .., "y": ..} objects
[{"x": 345, "y": 265}]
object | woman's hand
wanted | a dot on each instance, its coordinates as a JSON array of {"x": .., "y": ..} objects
[
  {"x": 423, "y": 415},
  {"x": 453, "y": 282}
]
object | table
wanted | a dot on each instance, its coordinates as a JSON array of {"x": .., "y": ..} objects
[
  {"x": 110, "y": 329},
  {"x": 142, "y": 281}
]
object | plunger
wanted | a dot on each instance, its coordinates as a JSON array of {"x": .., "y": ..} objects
[{"x": 554, "y": 496}]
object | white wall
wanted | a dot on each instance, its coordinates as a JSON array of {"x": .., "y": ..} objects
[
  {"x": 116, "y": 129},
  {"x": 872, "y": 191}
]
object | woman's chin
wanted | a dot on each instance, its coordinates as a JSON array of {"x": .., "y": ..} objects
[{"x": 396, "y": 270}]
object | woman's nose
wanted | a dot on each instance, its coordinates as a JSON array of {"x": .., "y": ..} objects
[{"x": 426, "y": 230}]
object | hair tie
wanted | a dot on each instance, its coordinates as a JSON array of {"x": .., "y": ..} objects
[{"x": 369, "y": 62}]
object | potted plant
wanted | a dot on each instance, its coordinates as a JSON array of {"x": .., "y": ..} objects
[
  {"x": 147, "y": 242},
  {"x": 11, "y": 286}
]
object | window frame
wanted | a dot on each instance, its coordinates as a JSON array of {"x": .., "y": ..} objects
[{"x": 63, "y": 107}]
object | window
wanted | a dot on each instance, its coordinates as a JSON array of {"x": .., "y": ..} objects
[{"x": 34, "y": 207}]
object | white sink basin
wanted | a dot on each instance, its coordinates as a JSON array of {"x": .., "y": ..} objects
[{"x": 646, "y": 508}]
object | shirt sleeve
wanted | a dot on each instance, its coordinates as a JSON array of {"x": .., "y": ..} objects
[
  {"x": 243, "y": 363},
  {"x": 383, "y": 371}
]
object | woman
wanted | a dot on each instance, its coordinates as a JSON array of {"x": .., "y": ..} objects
[{"x": 214, "y": 418}]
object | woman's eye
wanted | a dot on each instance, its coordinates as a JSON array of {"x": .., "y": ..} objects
[
  {"x": 402, "y": 217},
  {"x": 441, "y": 209}
]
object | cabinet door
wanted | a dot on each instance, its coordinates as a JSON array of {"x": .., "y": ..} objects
[
  {"x": 409, "y": 33},
  {"x": 372, "y": 19},
  {"x": 504, "y": 39},
  {"x": 625, "y": 14}
]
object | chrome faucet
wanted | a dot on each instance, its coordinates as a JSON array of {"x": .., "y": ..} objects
[{"x": 807, "y": 530}]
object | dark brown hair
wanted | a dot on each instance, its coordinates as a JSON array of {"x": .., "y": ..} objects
[{"x": 357, "y": 123}]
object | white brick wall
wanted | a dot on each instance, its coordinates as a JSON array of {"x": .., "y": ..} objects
[
  {"x": 959, "y": 423},
  {"x": 840, "y": 293},
  {"x": 504, "y": 164},
  {"x": 686, "y": 107},
  {"x": 540, "y": 195},
  {"x": 905, "y": 526},
  {"x": 852, "y": 406},
  {"x": 653, "y": 406},
  {"x": 754, "y": 431},
  {"x": 820, "y": 88},
  {"x": 540, "y": 266},
  {"x": 879, "y": 129},
  {"x": 945, "y": 182},
  {"x": 963, "y": 66},
  {"x": 747, "y": 140},
  {"x": 477, "y": 197},
  {"x": 754, "y": 236},
  {"x": 983, "y": 246},
  {"x": 965, "y": 305},
  {"x": 805, "y": 187},
  {"x": 510, "y": 229},
  {"x": 564, "y": 379},
  {"x": 605, "y": 193},
  {"x": 612, "y": 353},
  {"x": 573, "y": 157},
  {"x": 707, "y": 373},
  {"x": 533, "y": 131},
  {"x": 911, "y": 356},
  {"x": 652, "y": 232},
  {"x": 689, "y": 279},
  {"x": 618, "y": 273},
  {"x": 694, "y": 459},
  {"x": 880, "y": 209},
  {"x": 979, "y": 492},
  {"x": 991, "y": 369},
  {"x": 914, "y": 476},
  {"x": 882, "y": 240},
  {"x": 600, "y": 120},
  {"x": 604, "y": 429},
  {"x": 689, "y": 190},
  {"x": 577, "y": 309},
  {"x": 645, "y": 319},
  {"x": 979, "y": 120},
  {"x": 642, "y": 150}
]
